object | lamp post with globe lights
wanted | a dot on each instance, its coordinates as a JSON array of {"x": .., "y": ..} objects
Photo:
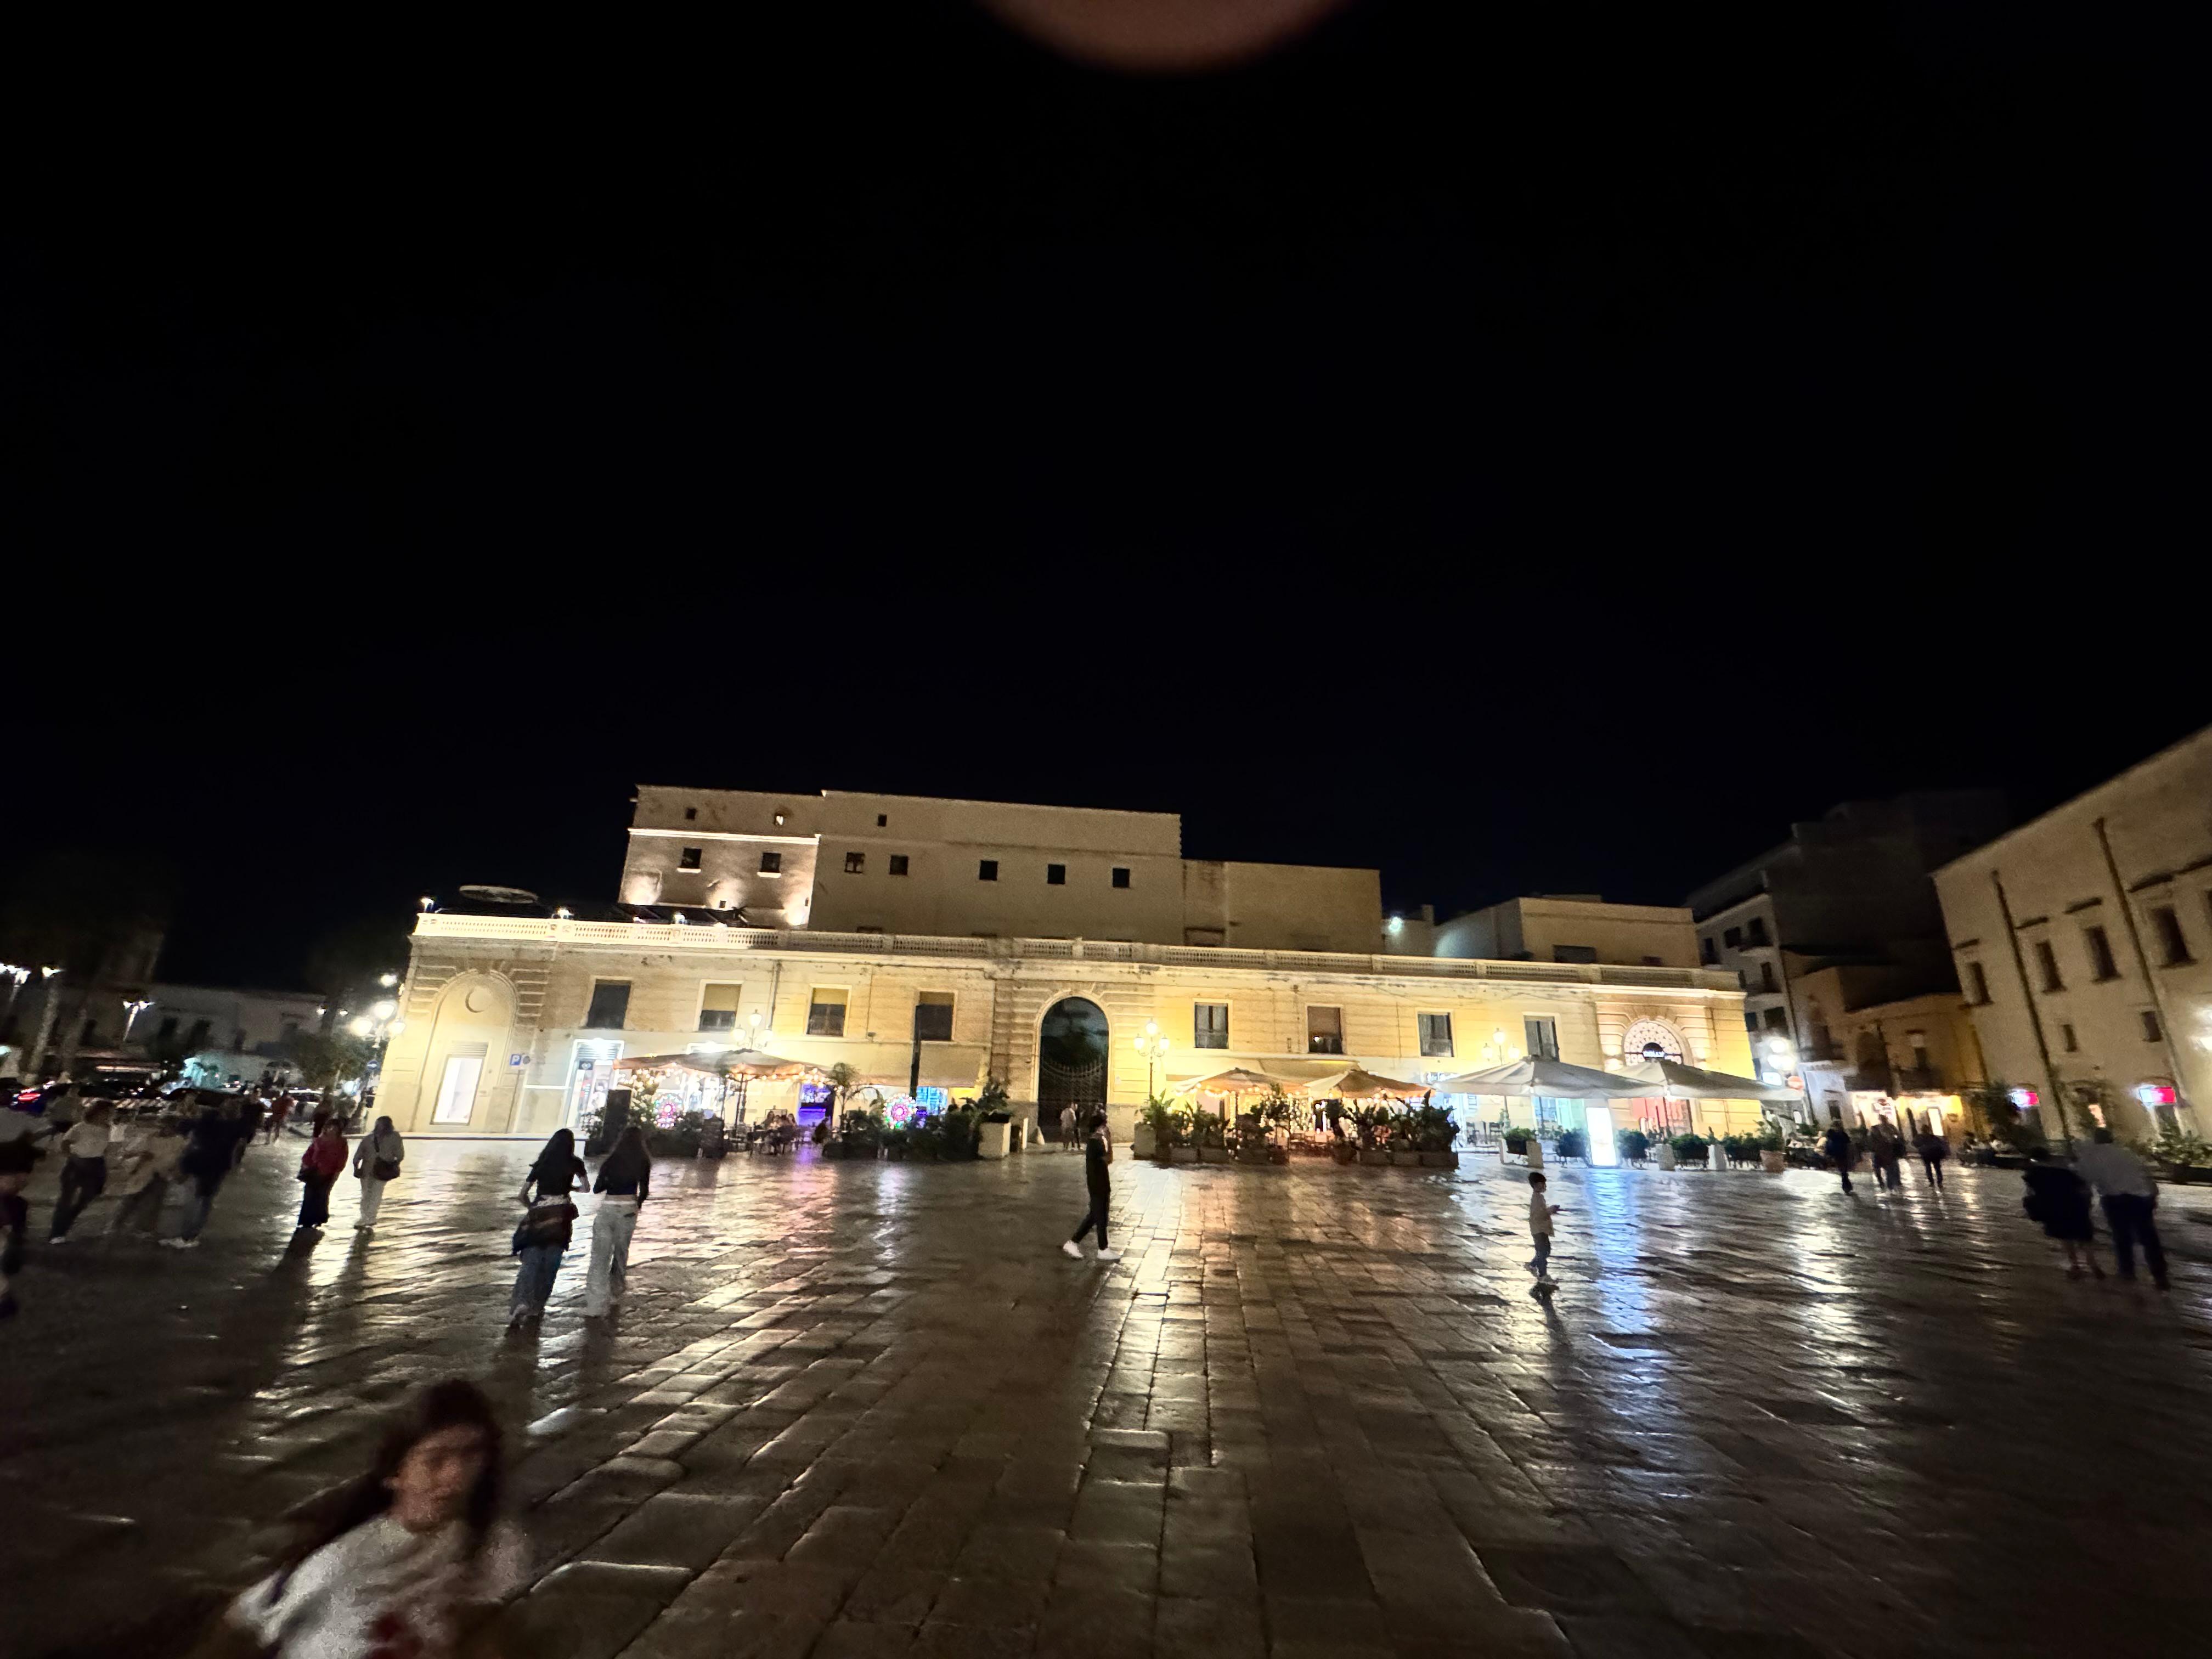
[{"x": 1154, "y": 1048}]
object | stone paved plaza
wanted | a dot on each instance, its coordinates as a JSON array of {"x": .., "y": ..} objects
[{"x": 861, "y": 1410}]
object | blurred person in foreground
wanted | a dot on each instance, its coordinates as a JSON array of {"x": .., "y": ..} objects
[
  {"x": 2129, "y": 1198},
  {"x": 402, "y": 1562}
]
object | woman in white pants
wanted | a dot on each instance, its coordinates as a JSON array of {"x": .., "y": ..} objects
[
  {"x": 376, "y": 1162},
  {"x": 625, "y": 1181}
]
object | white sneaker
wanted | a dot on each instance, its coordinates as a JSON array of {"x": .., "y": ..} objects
[
  {"x": 1069, "y": 1247},
  {"x": 58, "y": 1238},
  {"x": 1109, "y": 1255},
  {"x": 181, "y": 1243}
]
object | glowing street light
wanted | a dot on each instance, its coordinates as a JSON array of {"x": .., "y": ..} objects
[
  {"x": 1154, "y": 1048},
  {"x": 131, "y": 1010}
]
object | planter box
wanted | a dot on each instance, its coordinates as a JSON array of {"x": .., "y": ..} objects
[
  {"x": 1251, "y": 1154},
  {"x": 1405, "y": 1160},
  {"x": 1182, "y": 1154},
  {"x": 1439, "y": 1160},
  {"x": 997, "y": 1140},
  {"x": 833, "y": 1149},
  {"x": 1375, "y": 1158},
  {"x": 1279, "y": 1155},
  {"x": 1665, "y": 1154},
  {"x": 1215, "y": 1155},
  {"x": 1344, "y": 1154},
  {"x": 1140, "y": 1144},
  {"x": 1774, "y": 1161}
]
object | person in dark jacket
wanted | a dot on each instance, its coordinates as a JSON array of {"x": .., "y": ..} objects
[
  {"x": 625, "y": 1181},
  {"x": 208, "y": 1159},
  {"x": 1836, "y": 1146},
  {"x": 542, "y": 1238},
  {"x": 2059, "y": 1198},
  {"x": 1097, "y": 1153},
  {"x": 1933, "y": 1149},
  {"x": 321, "y": 1165}
]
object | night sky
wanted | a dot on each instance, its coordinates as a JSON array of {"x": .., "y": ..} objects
[{"x": 1525, "y": 453}]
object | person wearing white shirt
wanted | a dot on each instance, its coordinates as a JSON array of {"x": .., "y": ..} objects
[
  {"x": 1540, "y": 1228},
  {"x": 84, "y": 1174},
  {"x": 2129, "y": 1198}
]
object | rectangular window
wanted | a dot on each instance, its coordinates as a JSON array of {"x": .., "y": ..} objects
[
  {"x": 2173, "y": 943},
  {"x": 2153, "y": 1032},
  {"x": 898, "y": 864},
  {"x": 1574, "y": 953},
  {"x": 1766, "y": 980},
  {"x": 1324, "y": 1030},
  {"x": 1977, "y": 984},
  {"x": 1121, "y": 877},
  {"x": 1919, "y": 1040},
  {"x": 1708, "y": 952},
  {"x": 771, "y": 864},
  {"x": 1733, "y": 938},
  {"x": 1436, "y": 1034},
  {"x": 1755, "y": 931},
  {"x": 718, "y": 1008},
  {"x": 856, "y": 863},
  {"x": 1055, "y": 875},
  {"x": 691, "y": 813},
  {"x": 457, "y": 1092},
  {"x": 987, "y": 869},
  {"x": 2101, "y": 965},
  {"x": 825, "y": 1012},
  {"x": 609, "y": 1004},
  {"x": 1777, "y": 1020},
  {"x": 1541, "y": 1038},
  {"x": 689, "y": 859},
  {"x": 883, "y": 820},
  {"x": 1750, "y": 1020},
  {"x": 1209, "y": 1025},
  {"x": 932, "y": 1016},
  {"x": 2069, "y": 1041},
  {"x": 2046, "y": 964}
]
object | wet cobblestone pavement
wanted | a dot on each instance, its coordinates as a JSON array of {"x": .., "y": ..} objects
[{"x": 861, "y": 1410}]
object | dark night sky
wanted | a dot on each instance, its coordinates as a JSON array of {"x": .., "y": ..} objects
[{"x": 1536, "y": 453}]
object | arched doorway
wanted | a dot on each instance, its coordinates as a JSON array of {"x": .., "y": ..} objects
[{"x": 1071, "y": 1042}]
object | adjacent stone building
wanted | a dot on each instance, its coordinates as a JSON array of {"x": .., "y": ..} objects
[{"x": 2084, "y": 944}]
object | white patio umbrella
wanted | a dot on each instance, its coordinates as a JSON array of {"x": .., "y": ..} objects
[
  {"x": 1676, "y": 1081},
  {"x": 1552, "y": 1078}
]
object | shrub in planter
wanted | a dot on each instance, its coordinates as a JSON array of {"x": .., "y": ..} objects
[
  {"x": 896, "y": 1143},
  {"x": 1571, "y": 1144},
  {"x": 1690, "y": 1148},
  {"x": 1159, "y": 1117},
  {"x": 1633, "y": 1145},
  {"x": 1516, "y": 1142}
]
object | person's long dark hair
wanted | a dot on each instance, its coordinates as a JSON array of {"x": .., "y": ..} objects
[
  {"x": 557, "y": 1165},
  {"x": 452, "y": 1404},
  {"x": 630, "y": 1159}
]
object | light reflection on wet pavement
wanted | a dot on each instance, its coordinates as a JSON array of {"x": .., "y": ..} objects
[{"x": 869, "y": 1409}]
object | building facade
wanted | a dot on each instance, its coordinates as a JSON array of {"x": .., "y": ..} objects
[
  {"x": 1572, "y": 927},
  {"x": 1909, "y": 1059},
  {"x": 940, "y": 942},
  {"x": 2083, "y": 941},
  {"x": 1851, "y": 888},
  {"x": 908, "y": 863},
  {"x": 509, "y": 1021}
]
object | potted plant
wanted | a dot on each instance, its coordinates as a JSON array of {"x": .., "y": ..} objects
[
  {"x": 1632, "y": 1145},
  {"x": 1434, "y": 1129},
  {"x": 1155, "y": 1134},
  {"x": 2181, "y": 1157},
  {"x": 896, "y": 1143},
  {"x": 1514, "y": 1139},
  {"x": 1209, "y": 1132},
  {"x": 1692, "y": 1150},
  {"x": 1571, "y": 1143},
  {"x": 1773, "y": 1151}
]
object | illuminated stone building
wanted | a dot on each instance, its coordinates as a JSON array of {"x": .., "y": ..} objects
[
  {"x": 901, "y": 935},
  {"x": 2084, "y": 944}
]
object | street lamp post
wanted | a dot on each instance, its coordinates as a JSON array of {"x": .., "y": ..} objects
[
  {"x": 131, "y": 1010},
  {"x": 1154, "y": 1048}
]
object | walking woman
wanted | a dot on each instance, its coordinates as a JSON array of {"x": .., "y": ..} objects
[
  {"x": 376, "y": 1163},
  {"x": 1097, "y": 1153},
  {"x": 321, "y": 1165},
  {"x": 625, "y": 1181},
  {"x": 543, "y": 1235},
  {"x": 84, "y": 1176},
  {"x": 402, "y": 1556},
  {"x": 149, "y": 1161},
  {"x": 2059, "y": 1198}
]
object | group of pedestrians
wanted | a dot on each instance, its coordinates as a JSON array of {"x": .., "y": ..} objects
[
  {"x": 2058, "y": 1198},
  {"x": 547, "y": 1228}
]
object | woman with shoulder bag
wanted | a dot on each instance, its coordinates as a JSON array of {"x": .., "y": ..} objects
[
  {"x": 375, "y": 1162},
  {"x": 542, "y": 1236}
]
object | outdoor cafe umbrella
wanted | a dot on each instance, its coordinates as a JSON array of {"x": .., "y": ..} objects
[
  {"x": 1676, "y": 1081},
  {"x": 1360, "y": 1083},
  {"x": 1555, "y": 1080},
  {"x": 1236, "y": 1081}
]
